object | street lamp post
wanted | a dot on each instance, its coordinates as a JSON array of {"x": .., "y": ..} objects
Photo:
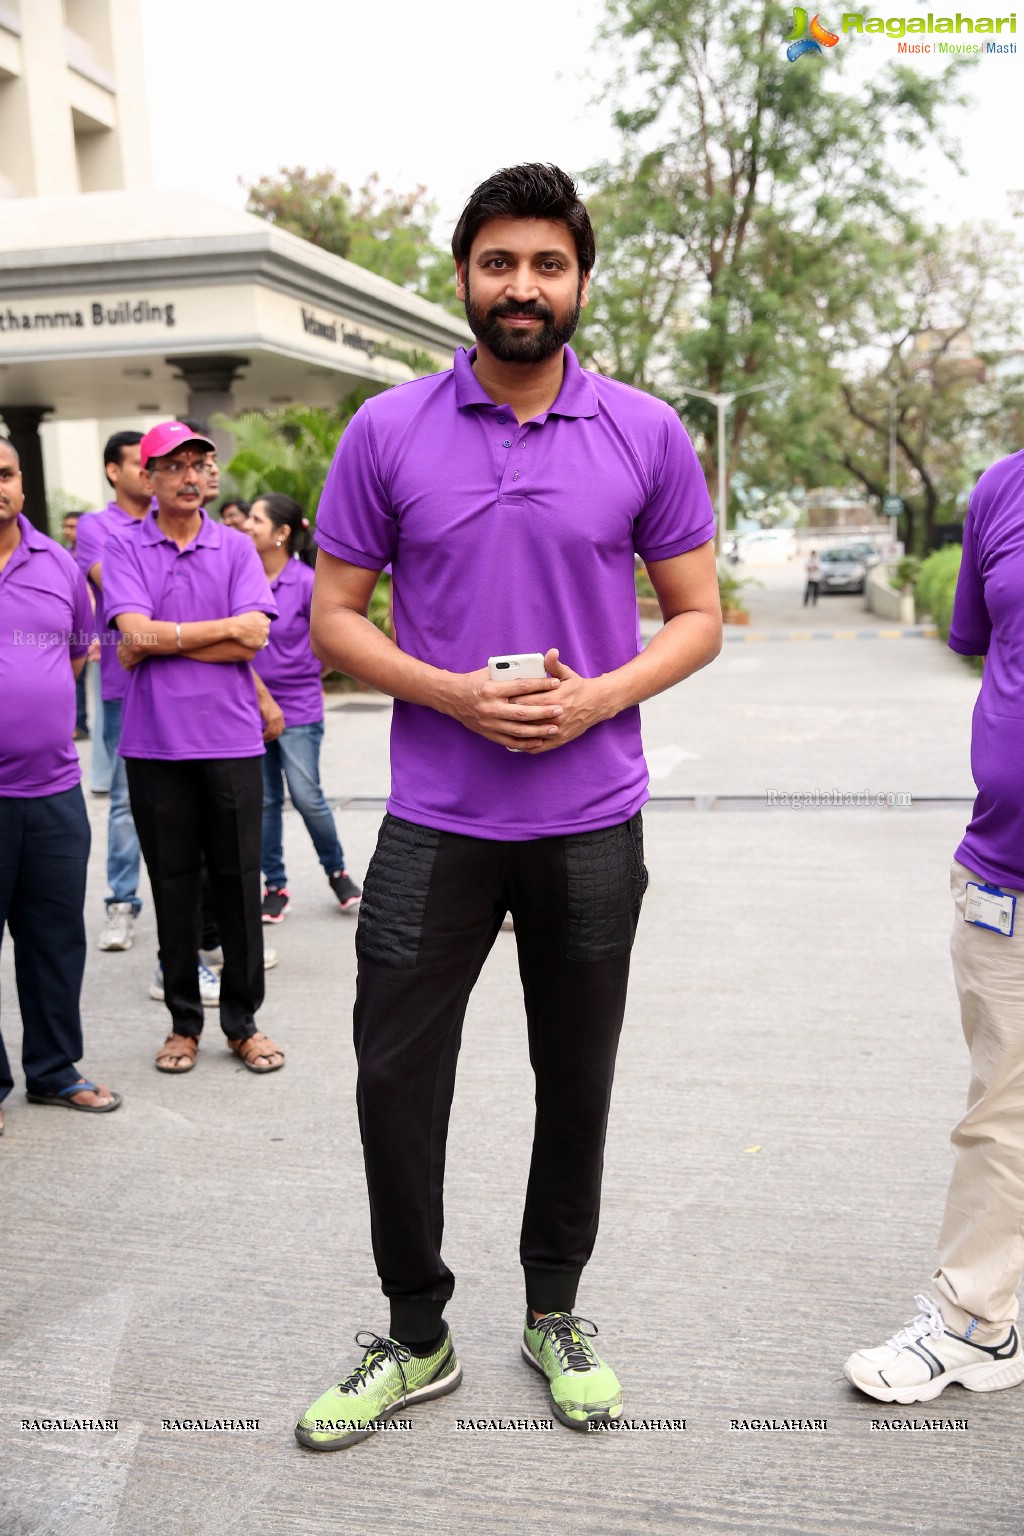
[{"x": 722, "y": 402}]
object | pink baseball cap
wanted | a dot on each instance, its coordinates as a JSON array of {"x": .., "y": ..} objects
[{"x": 167, "y": 437}]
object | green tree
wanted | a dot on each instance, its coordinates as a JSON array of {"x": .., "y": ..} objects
[
  {"x": 943, "y": 384},
  {"x": 289, "y": 450},
  {"x": 752, "y": 209},
  {"x": 385, "y": 231}
]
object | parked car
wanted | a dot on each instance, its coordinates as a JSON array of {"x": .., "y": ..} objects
[
  {"x": 768, "y": 546},
  {"x": 865, "y": 549},
  {"x": 843, "y": 569}
]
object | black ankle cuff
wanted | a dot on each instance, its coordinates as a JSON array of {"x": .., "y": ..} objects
[{"x": 551, "y": 1290}]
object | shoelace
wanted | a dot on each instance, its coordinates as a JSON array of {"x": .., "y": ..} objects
[
  {"x": 568, "y": 1336},
  {"x": 927, "y": 1324},
  {"x": 378, "y": 1351},
  {"x": 206, "y": 976}
]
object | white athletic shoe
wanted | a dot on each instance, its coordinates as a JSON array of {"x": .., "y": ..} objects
[
  {"x": 209, "y": 986},
  {"x": 926, "y": 1356},
  {"x": 119, "y": 928},
  {"x": 213, "y": 959}
]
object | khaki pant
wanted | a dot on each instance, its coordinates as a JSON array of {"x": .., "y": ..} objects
[{"x": 981, "y": 1243}]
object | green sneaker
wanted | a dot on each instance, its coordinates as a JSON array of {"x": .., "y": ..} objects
[
  {"x": 388, "y": 1377},
  {"x": 583, "y": 1389}
]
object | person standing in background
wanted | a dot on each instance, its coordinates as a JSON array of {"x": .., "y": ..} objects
[
  {"x": 813, "y": 573},
  {"x": 128, "y": 506},
  {"x": 193, "y": 608},
  {"x": 293, "y": 676},
  {"x": 69, "y": 525},
  {"x": 46, "y": 628},
  {"x": 966, "y": 1327}
]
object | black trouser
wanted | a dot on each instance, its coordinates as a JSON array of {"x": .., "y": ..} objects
[
  {"x": 44, "y": 852},
  {"x": 811, "y": 593},
  {"x": 433, "y": 903},
  {"x": 184, "y": 812}
]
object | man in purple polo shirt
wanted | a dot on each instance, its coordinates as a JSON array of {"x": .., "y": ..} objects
[
  {"x": 46, "y": 629},
  {"x": 967, "y": 1332},
  {"x": 193, "y": 607},
  {"x": 510, "y": 496},
  {"x": 128, "y": 506}
]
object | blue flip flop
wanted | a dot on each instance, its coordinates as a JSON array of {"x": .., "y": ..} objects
[{"x": 62, "y": 1098}]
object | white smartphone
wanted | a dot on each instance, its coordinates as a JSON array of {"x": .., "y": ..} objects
[{"x": 509, "y": 669}]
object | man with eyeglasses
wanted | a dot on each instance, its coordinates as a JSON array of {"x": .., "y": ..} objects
[{"x": 193, "y": 607}]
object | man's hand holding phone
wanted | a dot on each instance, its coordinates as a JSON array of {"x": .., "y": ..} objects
[
  {"x": 508, "y": 701},
  {"x": 519, "y": 711}
]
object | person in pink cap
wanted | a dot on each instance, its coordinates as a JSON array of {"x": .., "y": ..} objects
[{"x": 193, "y": 607}]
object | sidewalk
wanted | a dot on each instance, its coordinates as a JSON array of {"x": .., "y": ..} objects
[{"x": 777, "y": 1159}]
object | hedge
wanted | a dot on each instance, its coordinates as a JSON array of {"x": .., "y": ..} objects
[{"x": 936, "y": 586}]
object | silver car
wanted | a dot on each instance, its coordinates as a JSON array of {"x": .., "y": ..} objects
[{"x": 842, "y": 570}]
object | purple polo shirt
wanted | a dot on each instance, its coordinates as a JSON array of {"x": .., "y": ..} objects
[
  {"x": 176, "y": 708},
  {"x": 288, "y": 666},
  {"x": 508, "y": 538},
  {"x": 988, "y": 620},
  {"x": 45, "y": 622},
  {"x": 91, "y": 541}
]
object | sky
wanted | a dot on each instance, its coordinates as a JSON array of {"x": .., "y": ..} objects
[{"x": 443, "y": 94}]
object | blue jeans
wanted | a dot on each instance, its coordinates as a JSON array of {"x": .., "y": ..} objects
[
  {"x": 122, "y": 839},
  {"x": 295, "y": 756}
]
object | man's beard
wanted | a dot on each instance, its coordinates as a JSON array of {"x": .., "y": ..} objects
[{"x": 521, "y": 346}]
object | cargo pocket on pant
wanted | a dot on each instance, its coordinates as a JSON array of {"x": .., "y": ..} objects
[
  {"x": 395, "y": 894},
  {"x": 606, "y": 880}
]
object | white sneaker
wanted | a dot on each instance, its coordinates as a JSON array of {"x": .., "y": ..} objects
[
  {"x": 119, "y": 927},
  {"x": 926, "y": 1356},
  {"x": 209, "y": 986},
  {"x": 214, "y": 958}
]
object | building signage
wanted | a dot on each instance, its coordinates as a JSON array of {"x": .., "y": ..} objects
[
  {"x": 108, "y": 313},
  {"x": 338, "y": 332}
]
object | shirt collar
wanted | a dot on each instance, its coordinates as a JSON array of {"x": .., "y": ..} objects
[
  {"x": 577, "y": 396},
  {"x": 31, "y": 537},
  {"x": 286, "y": 574},
  {"x": 120, "y": 513},
  {"x": 209, "y": 532}
]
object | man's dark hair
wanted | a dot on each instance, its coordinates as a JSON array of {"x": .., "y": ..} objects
[
  {"x": 113, "y": 452},
  {"x": 527, "y": 192},
  {"x": 200, "y": 428}
]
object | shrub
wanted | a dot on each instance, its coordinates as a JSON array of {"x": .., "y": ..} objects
[
  {"x": 904, "y": 574},
  {"x": 936, "y": 586}
]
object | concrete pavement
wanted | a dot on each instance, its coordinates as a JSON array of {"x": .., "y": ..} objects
[{"x": 777, "y": 1158}]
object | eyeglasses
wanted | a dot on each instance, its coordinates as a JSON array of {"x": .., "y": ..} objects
[{"x": 175, "y": 468}]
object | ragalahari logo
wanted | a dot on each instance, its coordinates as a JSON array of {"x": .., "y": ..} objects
[{"x": 800, "y": 43}]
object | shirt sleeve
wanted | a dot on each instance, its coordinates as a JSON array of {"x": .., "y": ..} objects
[
  {"x": 84, "y": 625},
  {"x": 971, "y": 628},
  {"x": 677, "y": 515},
  {"x": 355, "y": 520},
  {"x": 89, "y": 542},
  {"x": 249, "y": 591},
  {"x": 124, "y": 585}
]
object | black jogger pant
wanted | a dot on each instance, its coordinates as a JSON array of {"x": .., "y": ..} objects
[
  {"x": 433, "y": 903},
  {"x": 185, "y": 811}
]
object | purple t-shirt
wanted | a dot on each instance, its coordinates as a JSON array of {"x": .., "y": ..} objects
[
  {"x": 288, "y": 666},
  {"x": 175, "y": 707},
  {"x": 506, "y": 538},
  {"x": 988, "y": 620},
  {"x": 91, "y": 540},
  {"x": 45, "y": 621}
]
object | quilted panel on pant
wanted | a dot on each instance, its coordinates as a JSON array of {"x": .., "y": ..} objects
[
  {"x": 606, "y": 884},
  {"x": 395, "y": 893}
]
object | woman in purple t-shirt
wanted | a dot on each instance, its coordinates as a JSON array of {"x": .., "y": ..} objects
[{"x": 292, "y": 675}]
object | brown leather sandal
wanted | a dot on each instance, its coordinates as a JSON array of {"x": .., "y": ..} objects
[
  {"x": 256, "y": 1051},
  {"x": 177, "y": 1054}
]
